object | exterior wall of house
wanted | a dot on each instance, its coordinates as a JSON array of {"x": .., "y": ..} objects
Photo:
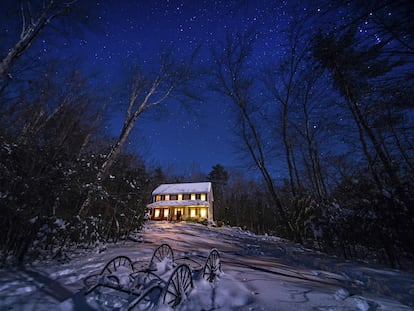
[
  {"x": 185, "y": 212},
  {"x": 182, "y": 206}
]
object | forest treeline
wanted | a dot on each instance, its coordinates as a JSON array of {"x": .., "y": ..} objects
[
  {"x": 335, "y": 115},
  {"x": 326, "y": 129}
]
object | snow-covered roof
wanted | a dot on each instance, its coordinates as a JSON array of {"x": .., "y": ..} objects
[
  {"x": 195, "y": 187},
  {"x": 178, "y": 203}
]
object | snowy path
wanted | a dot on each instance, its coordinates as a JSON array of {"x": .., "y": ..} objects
[{"x": 260, "y": 273}]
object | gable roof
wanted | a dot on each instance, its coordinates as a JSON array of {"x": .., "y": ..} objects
[{"x": 194, "y": 187}]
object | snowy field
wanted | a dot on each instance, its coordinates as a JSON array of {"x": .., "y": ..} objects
[{"x": 259, "y": 273}]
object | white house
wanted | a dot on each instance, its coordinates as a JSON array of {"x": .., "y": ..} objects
[{"x": 182, "y": 201}]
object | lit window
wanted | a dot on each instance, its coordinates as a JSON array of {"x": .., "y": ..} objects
[
  {"x": 158, "y": 198},
  {"x": 193, "y": 196},
  {"x": 203, "y": 213},
  {"x": 193, "y": 212},
  {"x": 157, "y": 213},
  {"x": 167, "y": 197},
  {"x": 166, "y": 212},
  {"x": 203, "y": 197},
  {"x": 180, "y": 197}
]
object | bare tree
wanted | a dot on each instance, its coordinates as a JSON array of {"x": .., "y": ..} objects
[
  {"x": 233, "y": 81},
  {"x": 374, "y": 81},
  {"x": 284, "y": 84},
  {"x": 309, "y": 134},
  {"x": 33, "y": 23},
  {"x": 354, "y": 79},
  {"x": 147, "y": 91}
]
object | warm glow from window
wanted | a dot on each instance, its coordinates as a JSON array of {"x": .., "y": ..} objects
[
  {"x": 157, "y": 213},
  {"x": 180, "y": 197},
  {"x": 193, "y": 212},
  {"x": 203, "y": 213},
  {"x": 203, "y": 197},
  {"x": 166, "y": 212},
  {"x": 158, "y": 198},
  {"x": 167, "y": 197},
  {"x": 193, "y": 196}
]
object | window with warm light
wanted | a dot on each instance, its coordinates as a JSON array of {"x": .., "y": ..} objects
[
  {"x": 193, "y": 212},
  {"x": 157, "y": 213},
  {"x": 158, "y": 198},
  {"x": 167, "y": 197},
  {"x": 180, "y": 197},
  {"x": 193, "y": 196},
  {"x": 166, "y": 212},
  {"x": 203, "y": 213},
  {"x": 203, "y": 197}
]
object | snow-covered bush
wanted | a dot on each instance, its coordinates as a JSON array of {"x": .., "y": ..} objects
[
  {"x": 364, "y": 222},
  {"x": 49, "y": 157}
]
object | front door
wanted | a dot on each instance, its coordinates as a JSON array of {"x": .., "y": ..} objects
[{"x": 165, "y": 213}]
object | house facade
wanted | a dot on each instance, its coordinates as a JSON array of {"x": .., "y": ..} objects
[{"x": 182, "y": 201}]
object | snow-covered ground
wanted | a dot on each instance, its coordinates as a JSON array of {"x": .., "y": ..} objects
[{"x": 259, "y": 273}]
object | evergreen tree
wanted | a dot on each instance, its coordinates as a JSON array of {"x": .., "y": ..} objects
[{"x": 218, "y": 177}]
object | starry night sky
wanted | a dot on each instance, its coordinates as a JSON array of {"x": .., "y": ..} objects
[
  {"x": 122, "y": 33},
  {"x": 139, "y": 30}
]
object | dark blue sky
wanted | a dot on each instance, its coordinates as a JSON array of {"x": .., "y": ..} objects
[
  {"x": 136, "y": 31},
  {"x": 123, "y": 33}
]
